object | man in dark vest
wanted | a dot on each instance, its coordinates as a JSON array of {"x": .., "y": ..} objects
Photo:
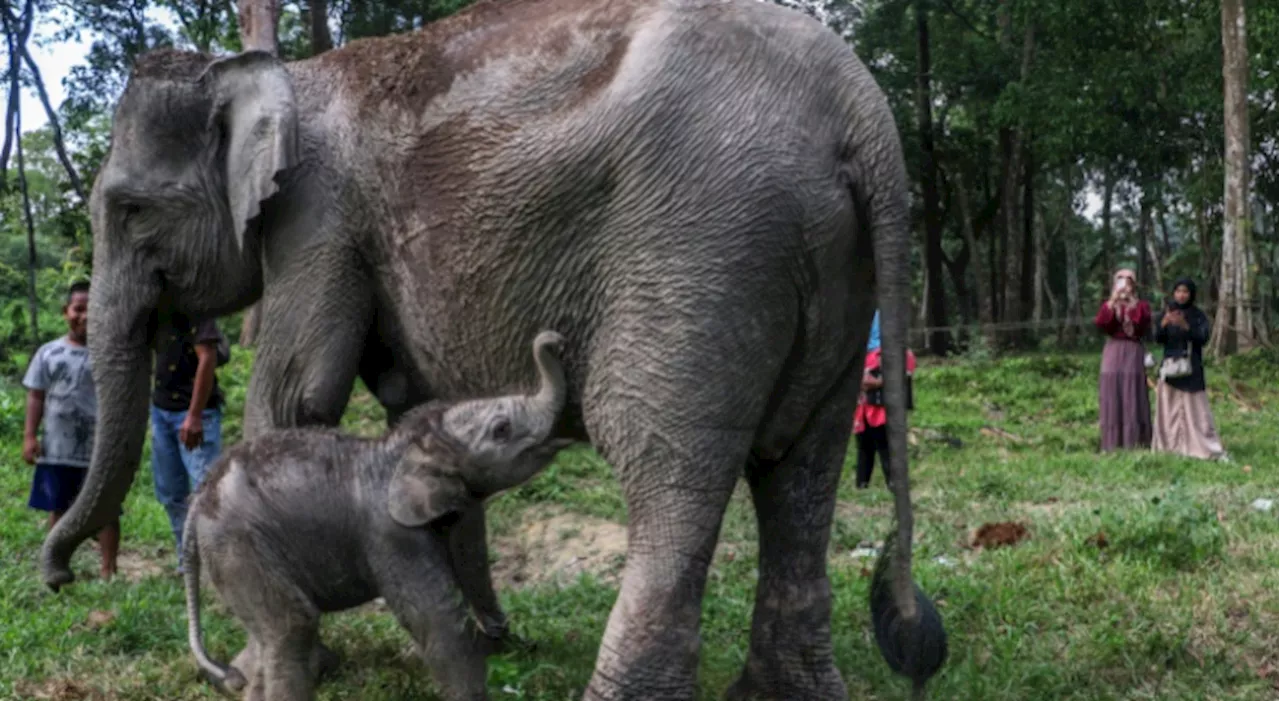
[{"x": 186, "y": 413}]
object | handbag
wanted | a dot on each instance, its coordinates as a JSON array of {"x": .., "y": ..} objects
[{"x": 1173, "y": 368}]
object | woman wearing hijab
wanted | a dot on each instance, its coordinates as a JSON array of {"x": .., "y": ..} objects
[
  {"x": 1184, "y": 423},
  {"x": 1124, "y": 410}
]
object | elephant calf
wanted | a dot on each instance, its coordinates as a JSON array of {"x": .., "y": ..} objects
[{"x": 295, "y": 523}]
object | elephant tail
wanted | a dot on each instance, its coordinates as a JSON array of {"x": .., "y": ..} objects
[
  {"x": 227, "y": 679},
  {"x": 908, "y": 627}
]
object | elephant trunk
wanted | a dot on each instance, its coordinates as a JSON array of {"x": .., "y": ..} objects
[
  {"x": 119, "y": 334},
  {"x": 543, "y": 408}
]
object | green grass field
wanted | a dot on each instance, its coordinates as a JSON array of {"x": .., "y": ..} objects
[{"x": 1180, "y": 603}]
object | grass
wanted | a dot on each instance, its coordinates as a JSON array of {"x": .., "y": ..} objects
[{"x": 1181, "y": 603}]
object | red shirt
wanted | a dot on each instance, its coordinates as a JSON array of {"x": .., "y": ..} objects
[
  {"x": 1112, "y": 323},
  {"x": 866, "y": 414}
]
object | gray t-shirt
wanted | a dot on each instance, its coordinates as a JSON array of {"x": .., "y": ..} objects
[{"x": 64, "y": 372}]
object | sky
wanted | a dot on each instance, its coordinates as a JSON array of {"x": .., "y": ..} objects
[{"x": 56, "y": 61}]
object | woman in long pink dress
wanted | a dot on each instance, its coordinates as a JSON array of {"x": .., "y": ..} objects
[{"x": 1124, "y": 409}]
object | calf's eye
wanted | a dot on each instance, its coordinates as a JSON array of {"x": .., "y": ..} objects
[{"x": 501, "y": 430}]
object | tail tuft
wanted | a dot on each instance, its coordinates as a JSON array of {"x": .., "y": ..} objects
[{"x": 915, "y": 648}]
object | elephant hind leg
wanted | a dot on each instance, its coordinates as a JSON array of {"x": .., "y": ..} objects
[
  {"x": 676, "y": 488},
  {"x": 791, "y": 656},
  {"x": 674, "y": 409},
  {"x": 289, "y": 645},
  {"x": 282, "y": 622}
]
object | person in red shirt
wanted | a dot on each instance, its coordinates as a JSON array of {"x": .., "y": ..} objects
[
  {"x": 1124, "y": 409},
  {"x": 870, "y": 417}
]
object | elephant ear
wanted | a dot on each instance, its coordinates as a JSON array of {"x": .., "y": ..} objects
[
  {"x": 257, "y": 117},
  {"x": 421, "y": 492}
]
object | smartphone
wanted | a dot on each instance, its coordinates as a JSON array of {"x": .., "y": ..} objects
[{"x": 1120, "y": 284}]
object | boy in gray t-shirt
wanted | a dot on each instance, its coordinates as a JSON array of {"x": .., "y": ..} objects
[{"x": 60, "y": 394}]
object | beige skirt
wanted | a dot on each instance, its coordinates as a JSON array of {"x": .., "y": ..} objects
[{"x": 1184, "y": 424}]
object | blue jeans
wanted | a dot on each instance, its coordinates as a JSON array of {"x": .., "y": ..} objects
[{"x": 178, "y": 471}]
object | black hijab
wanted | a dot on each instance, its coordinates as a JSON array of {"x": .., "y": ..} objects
[{"x": 1191, "y": 299}]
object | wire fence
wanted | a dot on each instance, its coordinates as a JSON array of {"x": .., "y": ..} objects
[{"x": 1072, "y": 331}]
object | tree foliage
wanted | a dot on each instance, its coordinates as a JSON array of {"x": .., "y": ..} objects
[
  {"x": 1093, "y": 90},
  {"x": 1036, "y": 106}
]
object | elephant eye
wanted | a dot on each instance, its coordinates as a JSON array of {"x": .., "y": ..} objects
[
  {"x": 129, "y": 211},
  {"x": 501, "y": 430}
]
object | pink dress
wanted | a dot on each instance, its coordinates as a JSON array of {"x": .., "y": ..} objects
[{"x": 1124, "y": 407}]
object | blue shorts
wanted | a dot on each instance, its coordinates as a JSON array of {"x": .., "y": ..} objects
[{"x": 55, "y": 487}]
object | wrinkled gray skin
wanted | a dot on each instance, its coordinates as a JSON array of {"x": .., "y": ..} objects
[
  {"x": 706, "y": 197},
  {"x": 300, "y": 522}
]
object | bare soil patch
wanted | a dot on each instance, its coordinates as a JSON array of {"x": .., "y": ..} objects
[
  {"x": 558, "y": 548},
  {"x": 135, "y": 566}
]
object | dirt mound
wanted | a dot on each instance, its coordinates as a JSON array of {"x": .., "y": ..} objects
[
  {"x": 559, "y": 547},
  {"x": 994, "y": 535}
]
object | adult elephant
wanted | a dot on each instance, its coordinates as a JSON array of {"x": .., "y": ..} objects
[{"x": 698, "y": 194}]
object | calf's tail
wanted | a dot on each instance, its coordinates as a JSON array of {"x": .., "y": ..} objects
[{"x": 227, "y": 679}]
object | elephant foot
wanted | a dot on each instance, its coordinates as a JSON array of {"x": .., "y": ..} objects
[
  {"x": 815, "y": 685},
  {"x": 514, "y": 642},
  {"x": 498, "y": 638}
]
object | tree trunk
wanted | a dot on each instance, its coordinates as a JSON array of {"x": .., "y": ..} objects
[
  {"x": 1162, "y": 220},
  {"x": 1152, "y": 258},
  {"x": 258, "y": 21},
  {"x": 1015, "y": 234},
  {"x": 1144, "y": 235},
  {"x": 321, "y": 40},
  {"x": 1028, "y": 285},
  {"x": 1157, "y": 266},
  {"x": 59, "y": 144},
  {"x": 16, "y": 32},
  {"x": 258, "y": 31},
  {"x": 33, "y": 301},
  {"x": 1007, "y": 222},
  {"x": 1046, "y": 303},
  {"x": 1108, "y": 256},
  {"x": 957, "y": 270},
  {"x": 1037, "y": 298},
  {"x": 1071, "y": 326},
  {"x": 1233, "y": 326},
  {"x": 1208, "y": 267},
  {"x": 982, "y": 283},
  {"x": 935, "y": 292}
]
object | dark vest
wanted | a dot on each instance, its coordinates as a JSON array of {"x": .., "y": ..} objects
[{"x": 176, "y": 363}]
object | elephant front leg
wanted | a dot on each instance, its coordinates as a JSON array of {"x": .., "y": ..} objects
[
  {"x": 424, "y": 600},
  {"x": 313, "y": 328},
  {"x": 790, "y": 657},
  {"x": 469, "y": 554}
]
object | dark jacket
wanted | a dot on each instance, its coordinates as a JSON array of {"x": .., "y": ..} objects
[{"x": 1176, "y": 340}]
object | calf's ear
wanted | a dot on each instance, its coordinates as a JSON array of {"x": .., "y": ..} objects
[{"x": 421, "y": 492}]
